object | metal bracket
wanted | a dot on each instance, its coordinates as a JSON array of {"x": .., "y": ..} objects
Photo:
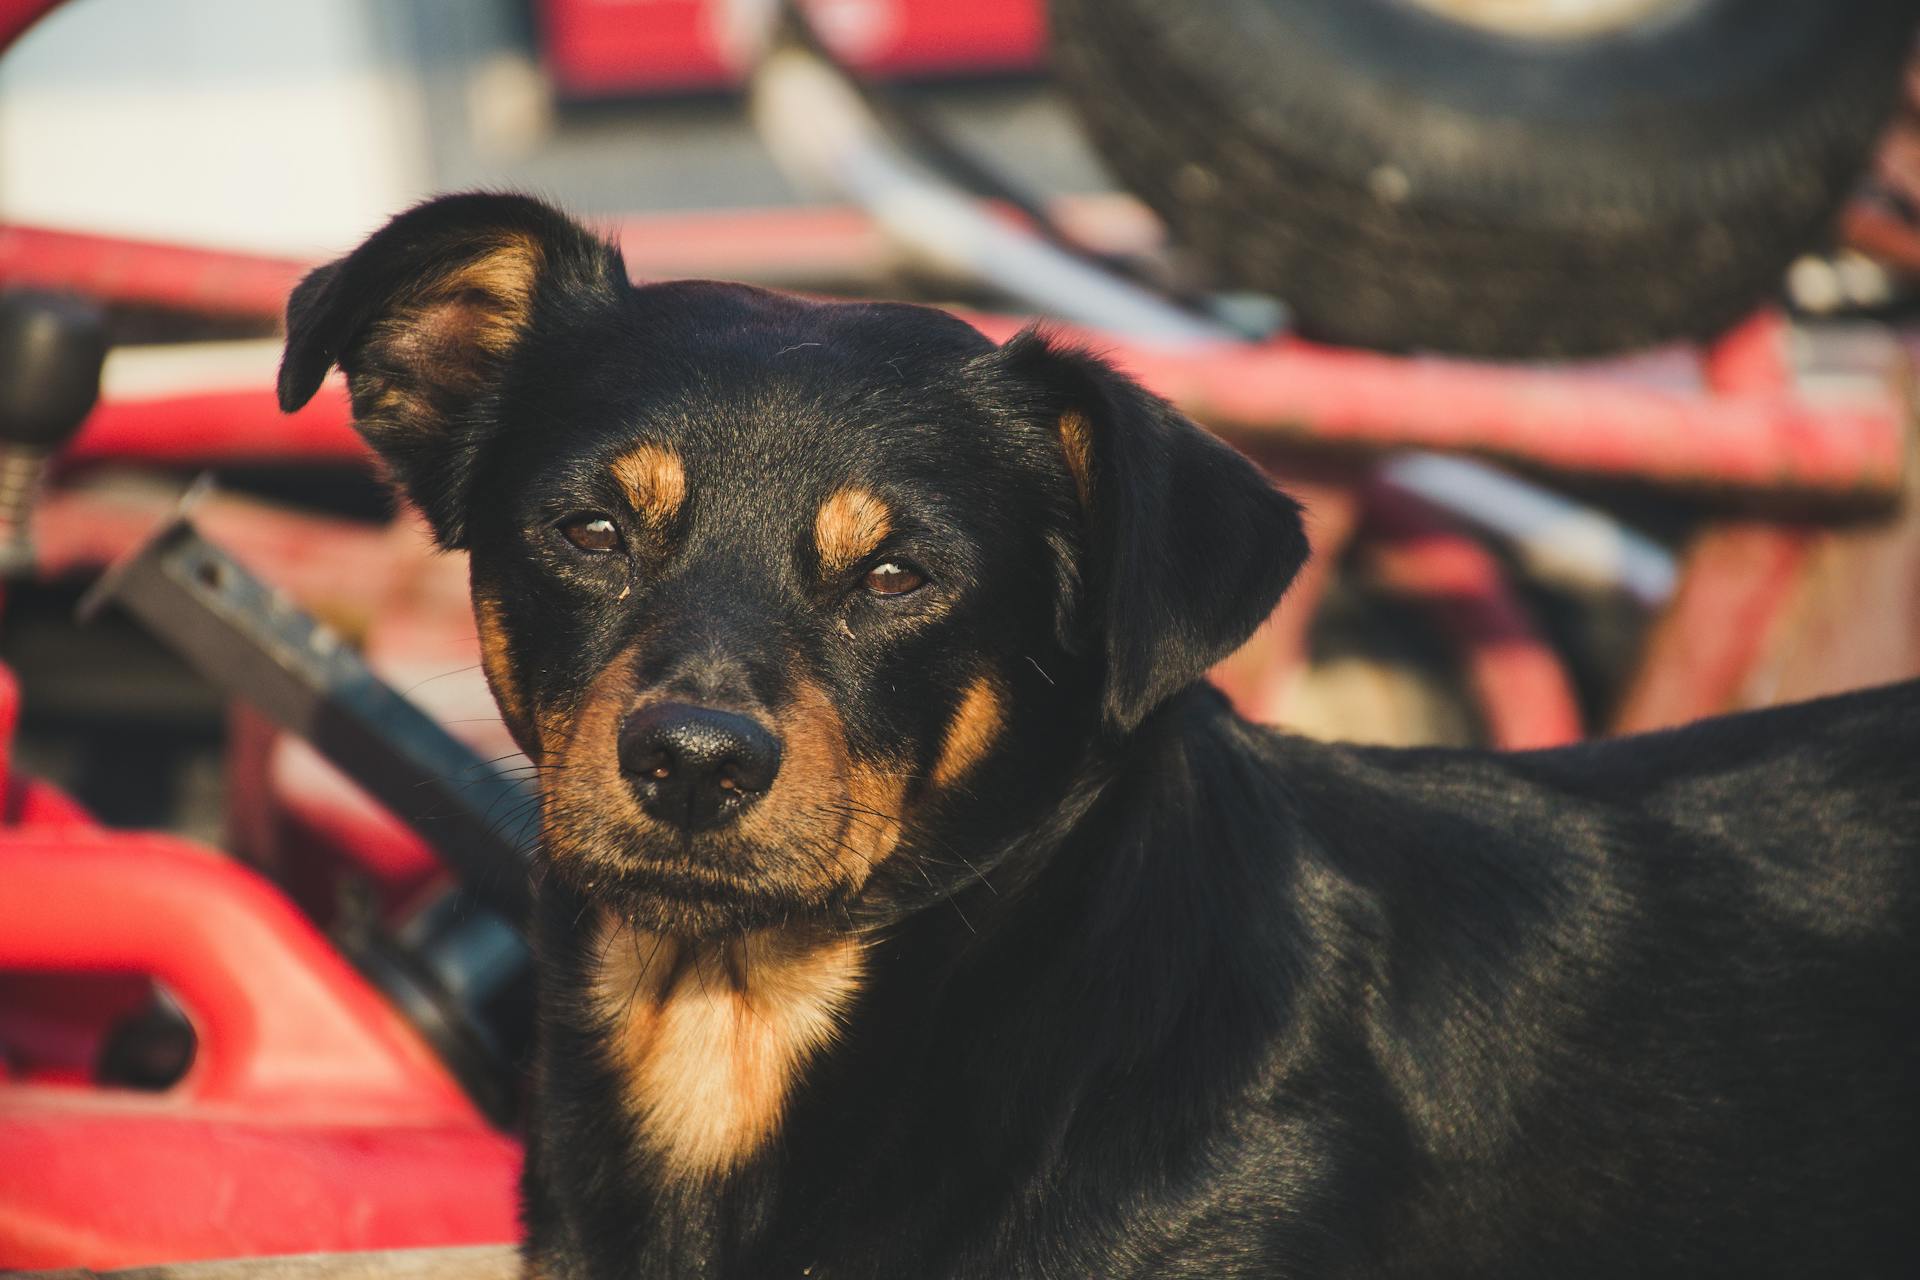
[{"x": 253, "y": 643}]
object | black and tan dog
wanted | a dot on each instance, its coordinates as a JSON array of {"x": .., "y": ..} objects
[{"x": 910, "y": 910}]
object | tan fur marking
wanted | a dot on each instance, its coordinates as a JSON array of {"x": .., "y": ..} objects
[
  {"x": 487, "y": 300},
  {"x": 709, "y": 1042},
  {"x": 844, "y": 815},
  {"x": 655, "y": 482},
  {"x": 976, "y": 723},
  {"x": 849, "y": 527},
  {"x": 878, "y": 797},
  {"x": 555, "y": 727},
  {"x": 1076, "y": 438},
  {"x": 817, "y": 768},
  {"x": 445, "y": 342},
  {"x": 497, "y": 662},
  {"x": 505, "y": 273}
]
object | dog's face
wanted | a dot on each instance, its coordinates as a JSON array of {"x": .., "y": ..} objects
[
  {"x": 755, "y": 591},
  {"x": 794, "y": 603}
]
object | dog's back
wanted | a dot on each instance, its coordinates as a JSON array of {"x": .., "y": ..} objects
[{"x": 1671, "y": 981}]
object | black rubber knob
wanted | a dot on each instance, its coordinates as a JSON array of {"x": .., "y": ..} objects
[{"x": 51, "y": 349}]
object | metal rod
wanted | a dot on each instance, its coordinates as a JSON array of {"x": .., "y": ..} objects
[
  {"x": 254, "y": 643},
  {"x": 824, "y": 136}
]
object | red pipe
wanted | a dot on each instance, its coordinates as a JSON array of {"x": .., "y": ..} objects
[
  {"x": 1745, "y": 430},
  {"x": 1566, "y": 420},
  {"x": 286, "y": 1029},
  {"x": 787, "y": 245},
  {"x": 224, "y": 426},
  {"x": 17, "y": 15},
  {"x": 1260, "y": 675},
  {"x": 1290, "y": 391},
  {"x": 1739, "y": 581},
  {"x": 1521, "y": 690},
  {"x": 148, "y": 273},
  {"x": 1751, "y": 358}
]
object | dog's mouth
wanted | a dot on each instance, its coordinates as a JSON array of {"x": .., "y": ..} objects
[
  {"x": 798, "y": 847},
  {"x": 706, "y": 886},
  {"x": 675, "y": 904}
]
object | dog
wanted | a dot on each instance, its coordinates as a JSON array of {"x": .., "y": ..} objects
[{"x": 911, "y": 908}]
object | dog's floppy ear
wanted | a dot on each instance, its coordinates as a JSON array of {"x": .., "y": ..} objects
[
  {"x": 1188, "y": 546},
  {"x": 425, "y": 318}
]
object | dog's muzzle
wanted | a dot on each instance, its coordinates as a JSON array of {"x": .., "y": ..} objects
[{"x": 696, "y": 767}]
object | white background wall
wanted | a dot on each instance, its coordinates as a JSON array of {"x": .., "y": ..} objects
[{"x": 280, "y": 125}]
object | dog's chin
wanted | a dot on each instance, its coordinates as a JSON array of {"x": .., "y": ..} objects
[
  {"x": 682, "y": 915},
  {"x": 677, "y": 902}
]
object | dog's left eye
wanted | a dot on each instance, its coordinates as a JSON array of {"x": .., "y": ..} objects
[
  {"x": 592, "y": 533},
  {"x": 894, "y": 578}
]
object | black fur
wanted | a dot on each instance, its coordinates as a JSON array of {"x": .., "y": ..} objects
[{"x": 1153, "y": 992}]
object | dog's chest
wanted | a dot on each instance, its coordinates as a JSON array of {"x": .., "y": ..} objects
[{"x": 708, "y": 1040}]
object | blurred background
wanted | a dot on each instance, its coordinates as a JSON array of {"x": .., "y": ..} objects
[
  {"x": 298, "y": 128},
  {"x": 1584, "y": 329}
]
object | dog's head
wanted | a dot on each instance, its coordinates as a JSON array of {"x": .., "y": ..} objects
[{"x": 791, "y": 601}]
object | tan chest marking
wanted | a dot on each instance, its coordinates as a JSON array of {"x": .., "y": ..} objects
[{"x": 710, "y": 1038}]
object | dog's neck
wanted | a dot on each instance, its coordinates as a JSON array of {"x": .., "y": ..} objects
[
  {"x": 973, "y": 1027},
  {"x": 709, "y": 1038}
]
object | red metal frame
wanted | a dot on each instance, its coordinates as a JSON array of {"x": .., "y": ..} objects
[
  {"x": 1517, "y": 681},
  {"x": 312, "y": 1118},
  {"x": 1746, "y": 427},
  {"x": 1736, "y": 433},
  {"x": 1584, "y": 423},
  {"x": 285, "y": 1028},
  {"x": 17, "y": 15},
  {"x": 219, "y": 427},
  {"x": 597, "y": 47},
  {"x": 316, "y": 1120},
  {"x": 142, "y": 271},
  {"x": 1740, "y": 579}
]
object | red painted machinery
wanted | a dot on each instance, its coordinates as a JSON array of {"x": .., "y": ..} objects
[
  {"x": 313, "y": 1116},
  {"x": 599, "y": 47}
]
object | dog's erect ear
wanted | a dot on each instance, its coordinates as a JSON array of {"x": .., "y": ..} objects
[
  {"x": 1188, "y": 545},
  {"x": 425, "y": 318}
]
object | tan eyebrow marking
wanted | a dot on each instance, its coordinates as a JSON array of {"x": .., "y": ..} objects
[
  {"x": 850, "y": 526},
  {"x": 975, "y": 724},
  {"x": 654, "y": 482}
]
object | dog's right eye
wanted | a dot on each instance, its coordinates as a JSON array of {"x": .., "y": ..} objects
[{"x": 593, "y": 533}]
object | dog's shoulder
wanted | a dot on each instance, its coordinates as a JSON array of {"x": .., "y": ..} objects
[
  {"x": 1788, "y": 829},
  {"x": 1821, "y": 759},
  {"x": 1835, "y": 774}
]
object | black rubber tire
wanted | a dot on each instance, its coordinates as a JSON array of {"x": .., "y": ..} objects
[{"x": 1406, "y": 181}]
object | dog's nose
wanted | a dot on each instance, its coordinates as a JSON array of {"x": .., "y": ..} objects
[{"x": 696, "y": 767}]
